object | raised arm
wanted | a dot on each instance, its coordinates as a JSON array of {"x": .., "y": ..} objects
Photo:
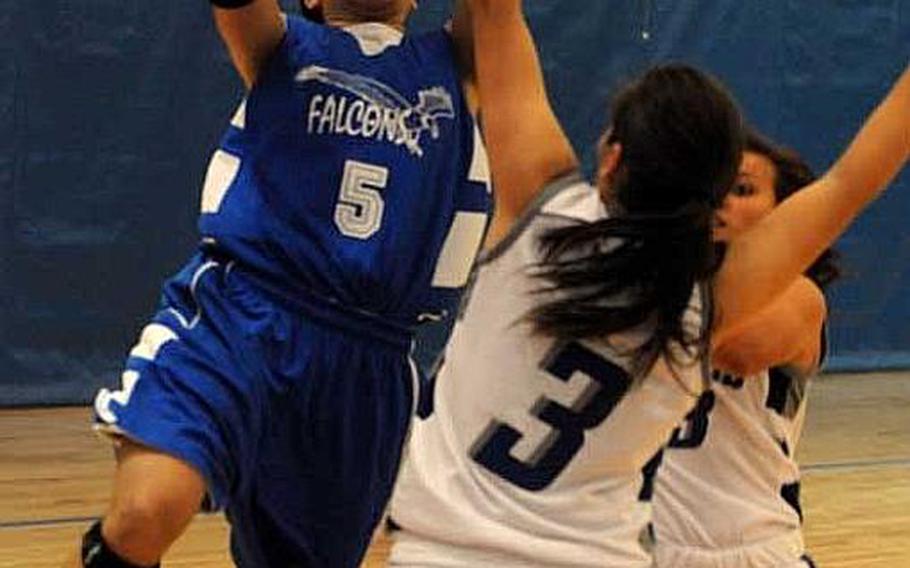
[
  {"x": 526, "y": 145},
  {"x": 251, "y": 30},
  {"x": 786, "y": 332},
  {"x": 763, "y": 262},
  {"x": 460, "y": 29}
]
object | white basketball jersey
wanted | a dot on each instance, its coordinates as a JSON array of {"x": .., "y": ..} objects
[
  {"x": 533, "y": 454},
  {"x": 729, "y": 478}
]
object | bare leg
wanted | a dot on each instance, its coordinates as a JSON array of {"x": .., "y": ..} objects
[{"x": 155, "y": 497}]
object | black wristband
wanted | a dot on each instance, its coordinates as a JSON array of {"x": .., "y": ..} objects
[{"x": 230, "y": 4}]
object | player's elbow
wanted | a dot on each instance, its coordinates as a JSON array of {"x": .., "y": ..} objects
[
  {"x": 816, "y": 308},
  {"x": 738, "y": 362},
  {"x": 747, "y": 351}
]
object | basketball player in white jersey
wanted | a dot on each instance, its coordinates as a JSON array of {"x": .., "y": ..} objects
[
  {"x": 549, "y": 405},
  {"x": 727, "y": 492}
]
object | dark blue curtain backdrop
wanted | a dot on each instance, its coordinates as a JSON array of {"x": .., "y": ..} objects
[{"x": 110, "y": 108}]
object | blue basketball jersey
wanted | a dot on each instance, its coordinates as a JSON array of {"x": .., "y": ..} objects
[
  {"x": 353, "y": 174},
  {"x": 352, "y": 185}
]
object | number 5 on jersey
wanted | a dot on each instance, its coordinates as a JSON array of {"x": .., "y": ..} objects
[{"x": 358, "y": 213}]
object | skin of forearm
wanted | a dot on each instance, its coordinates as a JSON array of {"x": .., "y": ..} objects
[
  {"x": 251, "y": 34},
  {"x": 762, "y": 262}
]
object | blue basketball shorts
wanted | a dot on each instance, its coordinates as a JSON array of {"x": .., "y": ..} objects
[{"x": 296, "y": 424}]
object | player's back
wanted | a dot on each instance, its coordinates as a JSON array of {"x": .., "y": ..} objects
[
  {"x": 352, "y": 176},
  {"x": 534, "y": 449},
  {"x": 729, "y": 477}
]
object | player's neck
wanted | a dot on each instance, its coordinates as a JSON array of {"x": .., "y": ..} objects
[{"x": 345, "y": 20}]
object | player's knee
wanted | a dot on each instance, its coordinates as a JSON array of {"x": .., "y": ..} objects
[
  {"x": 98, "y": 553},
  {"x": 155, "y": 498},
  {"x": 147, "y": 519}
]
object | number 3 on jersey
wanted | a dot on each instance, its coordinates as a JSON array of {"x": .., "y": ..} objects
[
  {"x": 358, "y": 213},
  {"x": 694, "y": 429},
  {"x": 608, "y": 384}
]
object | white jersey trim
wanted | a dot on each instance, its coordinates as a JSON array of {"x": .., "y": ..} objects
[
  {"x": 547, "y": 193},
  {"x": 374, "y": 38}
]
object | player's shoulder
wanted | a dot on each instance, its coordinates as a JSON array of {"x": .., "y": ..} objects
[
  {"x": 568, "y": 199},
  {"x": 300, "y": 29},
  {"x": 572, "y": 197}
]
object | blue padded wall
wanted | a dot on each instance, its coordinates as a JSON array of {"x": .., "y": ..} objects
[{"x": 110, "y": 108}]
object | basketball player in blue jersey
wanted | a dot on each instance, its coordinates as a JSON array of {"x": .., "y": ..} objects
[
  {"x": 727, "y": 492},
  {"x": 581, "y": 347},
  {"x": 344, "y": 205}
]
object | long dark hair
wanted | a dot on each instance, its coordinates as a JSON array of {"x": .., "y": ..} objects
[
  {"x": 793, "y": 173},
  {"x": 681, "y": 136}
]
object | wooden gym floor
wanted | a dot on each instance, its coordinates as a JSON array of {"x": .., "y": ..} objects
[{"x": 856, "y": 485}]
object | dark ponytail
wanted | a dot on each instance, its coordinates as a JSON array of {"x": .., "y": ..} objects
[{"x": 681, "y": 138}]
